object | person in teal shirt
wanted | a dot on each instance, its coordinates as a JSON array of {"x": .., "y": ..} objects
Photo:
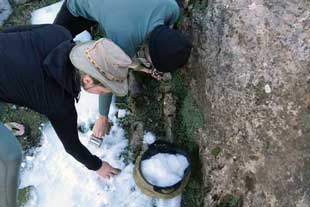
[{"x": 130, "y": 24}]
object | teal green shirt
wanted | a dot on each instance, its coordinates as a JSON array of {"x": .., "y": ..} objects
[{"x": 126, "y": 22}]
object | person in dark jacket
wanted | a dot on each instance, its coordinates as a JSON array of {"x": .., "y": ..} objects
[{"x": 38, "y": 70}]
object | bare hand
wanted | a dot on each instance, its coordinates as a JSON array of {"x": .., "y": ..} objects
[
  {"x": 107, "y": 171},
  {"x": 101, "y": 126}
]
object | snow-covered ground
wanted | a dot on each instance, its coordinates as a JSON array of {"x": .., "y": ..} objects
[{"x": 61, "y": 181}]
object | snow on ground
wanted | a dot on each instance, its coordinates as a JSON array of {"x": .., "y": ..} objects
[
  {"x": 164, "y": 169},
  {"x": 46, "y": 15},
  {"x": 59, "y": 180},
  {"x": 149, "y": 138}
]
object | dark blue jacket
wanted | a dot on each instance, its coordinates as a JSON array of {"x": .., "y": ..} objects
[{"x": 36, "y": 72}]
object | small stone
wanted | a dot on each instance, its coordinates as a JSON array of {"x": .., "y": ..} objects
[
  {"x": 267, "y": 89},
  {"x": 167, "y": 77},
  {"x": 121, "y": 113}
]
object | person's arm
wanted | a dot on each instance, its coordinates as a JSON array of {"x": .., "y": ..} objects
[
  {"x": 173, "y": 14},
  {"x": 75, "y": 24},
  {"x": 102, "y": 122},
  {"x": 66, "y": 129}
]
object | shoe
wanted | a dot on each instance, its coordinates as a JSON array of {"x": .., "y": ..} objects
[{"x": 17, "y": 129}]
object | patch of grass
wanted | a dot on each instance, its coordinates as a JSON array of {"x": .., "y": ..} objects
[
  {"x": 146, "y": 107},
  {"x": 192, "y": 195},
  {"x": 22, "y": 13},
  {"x": 188, "y": 120},
  {"x": 230, "y": 201},
  {"x": 191, "y": 117},
  {"x": 24, "y": 195},
  {"x": 30, "y": 119},
  {"x": 216, "y": 151}
]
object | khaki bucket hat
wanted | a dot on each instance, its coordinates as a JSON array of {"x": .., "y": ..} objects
[{"x": 104, "y": 61}]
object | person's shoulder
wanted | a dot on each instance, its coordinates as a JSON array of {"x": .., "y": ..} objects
[
  {"x": 58, "y": 30},
  {"x": 171, "y": 3}
]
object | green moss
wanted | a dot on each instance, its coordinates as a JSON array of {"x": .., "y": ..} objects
[
  {"x": 188, "y": 120},
  {"x": 145, "y": 107},
  {"x": 30, "y": 119},
  {"x": 260, "y": 94},
  {"x": 24, "y": 195},
  {"x": 22, "y": 13},
  {"x": 192, "y": 195},
  {"x": 305, "y": 119},
  {"x": 230, "y": 201},
  {"x": 216, "y": 151}
]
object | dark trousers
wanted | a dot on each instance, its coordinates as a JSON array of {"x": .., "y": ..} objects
[{"x": 74, "y": 24}]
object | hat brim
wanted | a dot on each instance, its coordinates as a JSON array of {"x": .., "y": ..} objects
[{"x": 80, "y": 61}]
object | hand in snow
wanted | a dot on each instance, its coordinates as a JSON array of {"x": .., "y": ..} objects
[
  {"x": 101, "y": 126},
  {"x": 107, "y": 171}
]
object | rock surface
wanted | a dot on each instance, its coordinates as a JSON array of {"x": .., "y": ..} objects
[
  {"x": 250, "y": 74},
  {"x": 5, "y": 11}
]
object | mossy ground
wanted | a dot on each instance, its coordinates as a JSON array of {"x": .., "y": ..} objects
[
  {"x": 148, "y": 108},
  {"x": 188, "y": 120},
  {"x": 22, "y": 13},
  {"x": 31, "y": 120}
]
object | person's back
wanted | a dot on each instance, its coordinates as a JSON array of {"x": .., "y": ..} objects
[
  {"x": 26, "y": 77},
  {"x": 127, "y": 23}
]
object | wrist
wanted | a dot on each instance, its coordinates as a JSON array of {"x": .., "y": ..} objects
[{"x": 102, "y": 117}]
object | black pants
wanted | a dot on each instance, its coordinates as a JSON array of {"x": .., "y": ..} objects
[{"x": 74, "y": 24}]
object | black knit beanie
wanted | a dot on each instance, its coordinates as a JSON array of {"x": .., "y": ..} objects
[{"x": 169, "y": 49}]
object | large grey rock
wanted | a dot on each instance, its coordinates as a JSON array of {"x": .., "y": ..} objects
[
  {"x": 5, "y": 11},
  {"x": 250, "y": 74}
]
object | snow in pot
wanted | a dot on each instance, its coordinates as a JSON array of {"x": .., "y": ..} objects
[
  {"x": 161, "y": 166},
  {"x": 163, "y": 170}
]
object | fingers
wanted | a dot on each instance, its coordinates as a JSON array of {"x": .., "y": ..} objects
[
  {"x": 100, "y": 127},
  {"x": 107, "y": 171},
  {"x": 115, "y": 171},
  {"x": 112, "y": 173}
]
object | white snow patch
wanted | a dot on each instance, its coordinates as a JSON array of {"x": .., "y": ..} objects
[
  {"x": 149, "y": 138},
  {"x": 164, "y": 169},
  {"x": 121, "y": 113},
  {"x": 60, "y": 180},
  {"x": 47, "y": 15}
]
